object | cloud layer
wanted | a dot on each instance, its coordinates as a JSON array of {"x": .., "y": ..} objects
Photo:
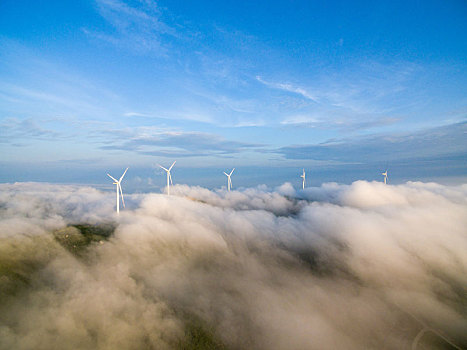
[
  {"x": 432, "y": 144},
  {"x": 356, "y": 266},
  {"x": 179, "y": 144}
]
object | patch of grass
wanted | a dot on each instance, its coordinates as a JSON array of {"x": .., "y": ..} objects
[
  {"x": 95, "y": 232},
  {"x": 76, "y": 238},
  {"x": 198, "y": 336}
]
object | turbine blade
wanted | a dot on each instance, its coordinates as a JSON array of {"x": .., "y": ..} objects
[
  {"x": 172, "y": 165},
  {"x": 170, "y": 177},
  {"x": 121, "y": 194},
  {"x": 232, "y": 171},
  {"x": 226, "y": 174},
  {"x": 112, "y": 178},
  {"x": 123, "y": 175}
]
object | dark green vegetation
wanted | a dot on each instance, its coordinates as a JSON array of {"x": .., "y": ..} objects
[
  {"x": 198, "y": 336},
  {"x": 76, "y": 238}
]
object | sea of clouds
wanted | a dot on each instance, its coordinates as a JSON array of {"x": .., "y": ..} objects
[{"x": 360, "y": 266}]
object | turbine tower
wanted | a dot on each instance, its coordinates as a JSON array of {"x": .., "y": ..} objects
[
  {"x": 385, "y": 174},
  {"x": 169, "y": 177},
  {"x": 303, "y": 181},
  {"x": 119, "y": 190},
  {"x": 229, "y": 180}
]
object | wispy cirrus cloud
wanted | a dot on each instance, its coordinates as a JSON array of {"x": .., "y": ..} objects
[
  {"x": 137, "y": 25},
  {"x": 136, "y": 114},
  {"x": 342, "y": 122},
  {"x": 289, "y": 88},
  {"x": 358, "y": 97},
  {"x": 39, "y": 87}
]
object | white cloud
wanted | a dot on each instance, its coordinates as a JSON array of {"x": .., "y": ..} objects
[
  {"x": 290, "y": 88},
  {"x": 357, "y": 266},
  {"x": 136, "y": 114},
  {"x": 138, "y": 26}
]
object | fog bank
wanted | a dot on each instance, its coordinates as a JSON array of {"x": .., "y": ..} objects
[{"x": 365, "y": 265}]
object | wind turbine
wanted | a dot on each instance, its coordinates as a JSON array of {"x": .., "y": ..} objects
[
  {"x": 119, "y": 189},
  {"x": 385, "y": 174},
  {"x": 303, "y": 177},
  {"x": 169, "y": 177},
  {"x": 229, "y": 180}
]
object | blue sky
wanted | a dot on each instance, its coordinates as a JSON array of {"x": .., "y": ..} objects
[{"x": 340, "y": 88}]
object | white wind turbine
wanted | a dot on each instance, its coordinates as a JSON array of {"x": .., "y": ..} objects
[
  {"x": 169, "y": 177},
  {"x": 119, "y": 190},
  {"x": 303, "y": 181},
  {"x": 385, "y": 174},
  {"x": 229, "y": 180}
]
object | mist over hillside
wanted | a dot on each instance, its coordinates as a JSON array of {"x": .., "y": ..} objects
[{"x": 360, "y": 266}]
